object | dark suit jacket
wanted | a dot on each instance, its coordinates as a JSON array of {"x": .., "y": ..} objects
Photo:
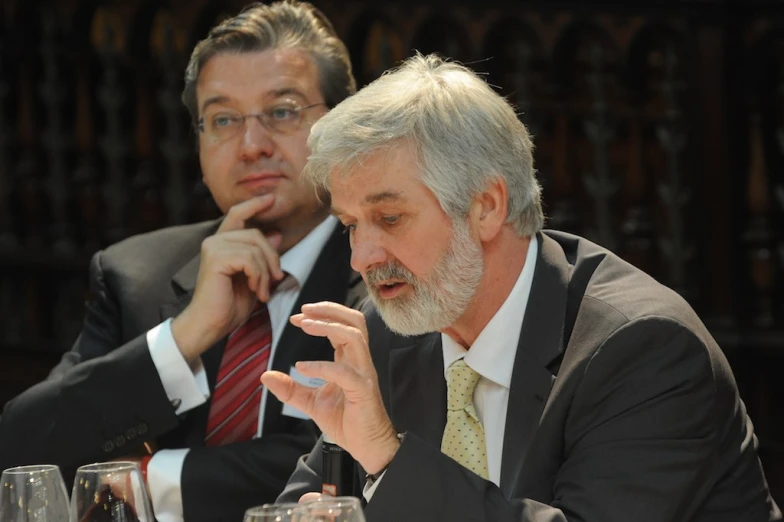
[
  {"x": 622, "y": 408},
  {"x": 105, "y": 398}
]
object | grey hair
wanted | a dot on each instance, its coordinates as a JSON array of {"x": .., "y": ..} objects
[
  {"x": 288, "y": 24},
  {"x": 463, "y": 134}
]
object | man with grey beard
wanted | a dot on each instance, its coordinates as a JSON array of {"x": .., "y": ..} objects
[
  {"x": 437, "y": 300},
  {"x": 504, "y": 372}
]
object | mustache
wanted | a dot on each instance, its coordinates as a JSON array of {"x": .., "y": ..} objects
[
  {"x": 389, "y": 271},
  {"x": 248, "y": 167}
]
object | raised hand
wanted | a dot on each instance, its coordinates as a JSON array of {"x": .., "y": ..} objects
[
  {"x": 348, "y": 407},
  {"x": 236, "y": 267}
]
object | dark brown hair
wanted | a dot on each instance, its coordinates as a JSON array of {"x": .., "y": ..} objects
[{"x": 287, "y": 24}]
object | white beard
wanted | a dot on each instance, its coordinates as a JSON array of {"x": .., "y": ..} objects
[{"x": 436, "y": 302}]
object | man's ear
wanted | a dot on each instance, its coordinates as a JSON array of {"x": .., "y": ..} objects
[{"x": 489, "y": 209}]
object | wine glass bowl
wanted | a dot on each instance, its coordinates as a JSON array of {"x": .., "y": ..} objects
[
  {"x": 110, "y": 492},
  {"x": 273, "y": 513},
  {"x": 33, "y": 494},
  {"x": 331, "y": 509}
]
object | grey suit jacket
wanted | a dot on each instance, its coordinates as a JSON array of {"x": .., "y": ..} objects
[
  {"x": 621, "y": 408},
  {"x": 105, "y": 398}
]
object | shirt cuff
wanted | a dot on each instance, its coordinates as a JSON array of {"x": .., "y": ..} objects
[
  {"x": 163, "y": 480},
  {"x": 186, "y": 386},
  {"x": 370, "y": 487}
]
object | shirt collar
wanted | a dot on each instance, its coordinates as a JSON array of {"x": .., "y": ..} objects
[
  {"x": 493, "y": 353},
  {"x": 299, "y": 260}
]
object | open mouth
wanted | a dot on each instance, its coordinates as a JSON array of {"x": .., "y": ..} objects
[{"x": 390, "y": 289}]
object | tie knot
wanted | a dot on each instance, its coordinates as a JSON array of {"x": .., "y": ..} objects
[
  {"x": 461, "y": 381},
  {"x": 274, "y": 284}
]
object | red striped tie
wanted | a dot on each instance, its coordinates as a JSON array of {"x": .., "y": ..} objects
[{"x": 234, "y": 411}]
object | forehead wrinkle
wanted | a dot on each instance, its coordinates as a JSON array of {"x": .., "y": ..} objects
[
  {"x": 222, "y": 99},
  {"x": 383, "y": 197},
  {"x": 373, "y": 199},
  {"x": 285, "y": 91}
]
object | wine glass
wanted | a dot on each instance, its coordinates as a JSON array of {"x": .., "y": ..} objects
[
  {"x": 274, "y": 513},
  {"x": 332, "y": 509},
  {"x": 33, "y": 494},
  {"x": 110, "y": 492}
]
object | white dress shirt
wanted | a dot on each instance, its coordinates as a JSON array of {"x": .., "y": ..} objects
[
  {"x": 189, "y": 386},
  {"x": 492, "y": 356}
]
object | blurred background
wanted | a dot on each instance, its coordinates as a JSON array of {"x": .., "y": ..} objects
[{"x": 659, "y": 128}]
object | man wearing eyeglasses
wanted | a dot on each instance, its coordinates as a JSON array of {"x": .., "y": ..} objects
[{"x": 182, "y": 322}]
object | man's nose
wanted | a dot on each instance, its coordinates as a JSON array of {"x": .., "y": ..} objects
[
  {"x": 256, "y": 140},
  {"x": 367, "y": 251}
]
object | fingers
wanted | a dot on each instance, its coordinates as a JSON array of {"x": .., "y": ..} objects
[
  {"x": 342, "y": 380},
  {"x": 253, "y": 267},
  {"x": 309, "y": 497},
  {"x": 289, "y": 392},
  {"x": 356, "y": 388},
  {"x": 238, "y": 214},
  {"x": 255, "y": 239},
  {"x": 332, "y": 312},
  {"x": 344, "y": 327},
  {"x": 231, "y": 260},
  {"x": 350, "y": 343},
  {"x": 233, "y": 229},
  {"x": 243, "y": 252}
]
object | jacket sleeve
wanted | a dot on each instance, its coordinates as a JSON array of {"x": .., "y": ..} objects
[
  {"x": 306, "y": 477},
  {"x": 103, "y": 400}
]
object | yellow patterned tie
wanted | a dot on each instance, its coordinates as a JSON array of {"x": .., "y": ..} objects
[{"x": 464, "y": 437}]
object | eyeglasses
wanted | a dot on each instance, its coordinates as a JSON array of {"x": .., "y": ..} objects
[{"x": 283, "y": 118}]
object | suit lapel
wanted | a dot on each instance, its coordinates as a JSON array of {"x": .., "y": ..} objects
[
  {"x": 418, "y": 389},
  {"x": 183, "y": 283},
  {"x": 540, "y": 344}
]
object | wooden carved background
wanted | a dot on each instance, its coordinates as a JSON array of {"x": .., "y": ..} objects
[{"x": 659, "y": 133}]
